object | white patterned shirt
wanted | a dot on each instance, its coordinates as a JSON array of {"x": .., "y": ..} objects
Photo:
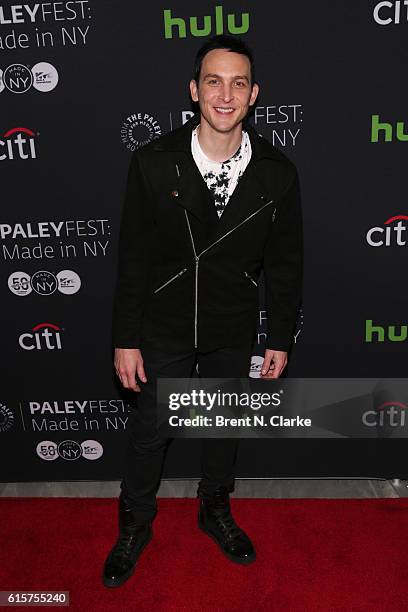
[{"x": 221, "y": 177}]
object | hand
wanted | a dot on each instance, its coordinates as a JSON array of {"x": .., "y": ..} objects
[
  {"x": 274, "y": 363},
  {"x": 129, "y": 364}
]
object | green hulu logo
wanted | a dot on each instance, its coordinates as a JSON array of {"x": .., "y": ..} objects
[
  {"x": 376, "y": 333},
  {"x": 179, "y": 27},
  {"x": 386, "y": 129}
]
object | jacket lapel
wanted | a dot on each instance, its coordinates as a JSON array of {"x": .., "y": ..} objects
[
  {"x": 192, "y": 194},
  {"x": 247, "y": 198}
]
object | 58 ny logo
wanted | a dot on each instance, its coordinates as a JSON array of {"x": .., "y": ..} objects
[
  {"x": 69, "y": 450},
  {"x": 44, "y": 282}
]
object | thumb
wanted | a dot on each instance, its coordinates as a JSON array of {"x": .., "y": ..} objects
[{"x": 266, "y": 363}]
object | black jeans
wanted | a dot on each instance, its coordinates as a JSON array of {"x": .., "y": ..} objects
[{"x": 146, "y": 449}]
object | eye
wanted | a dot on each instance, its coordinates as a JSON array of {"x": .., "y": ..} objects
[
  {"x": 212, "y": 81},
  {"x": 240, "y": 83}
]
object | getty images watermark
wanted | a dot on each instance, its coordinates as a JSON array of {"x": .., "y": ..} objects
[
  {"x": 219, "y": 400},
  {"x": 287, "y": 407}
]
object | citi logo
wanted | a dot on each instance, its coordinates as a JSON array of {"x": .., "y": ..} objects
[
  {"x": 386, "y": 130},
  {"x": 389, "y": 414},
  {"x": 377, "y": 333},
  {"x": 18, "y": 143},
  {"x": 43, "y": 337},
  {"x": 392, "y": 234},
  {"x": 210, "y": 24},
  {"x": 386, "y": 12}
]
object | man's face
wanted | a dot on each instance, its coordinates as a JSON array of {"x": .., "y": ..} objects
[{"x": 224, "y": 91}]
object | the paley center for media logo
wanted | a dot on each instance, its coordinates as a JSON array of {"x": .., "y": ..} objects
[
  {"x": 139, "y": 129},
  {"x": 6, "y": 418}
]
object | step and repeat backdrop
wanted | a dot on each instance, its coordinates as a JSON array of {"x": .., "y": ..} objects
[{"x": 83, "y": 83}]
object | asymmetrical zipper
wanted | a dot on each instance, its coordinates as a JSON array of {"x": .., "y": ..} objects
[
  {"x": 171, "y": 280},
  {"x": 197, "y": 256},
  {"x": 239, "y": 225},
  {"x": 251, "y": 279},
  {"x": 196, "y": 301}
]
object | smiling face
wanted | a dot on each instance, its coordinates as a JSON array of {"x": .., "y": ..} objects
[{"x": 224, "y": 91}]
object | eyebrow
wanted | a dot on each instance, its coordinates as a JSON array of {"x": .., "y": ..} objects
[{"x": 237, "y": 76}]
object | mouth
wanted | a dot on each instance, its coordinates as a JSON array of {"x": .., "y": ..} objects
[{"x": 224, "y": 110}]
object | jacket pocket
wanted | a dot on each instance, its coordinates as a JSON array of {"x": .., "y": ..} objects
[
  {"x": 173, "y": 278},
  {"x": 249, "y": 277}
]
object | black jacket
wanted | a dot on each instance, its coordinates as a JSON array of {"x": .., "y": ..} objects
[{"x": 187, "y": 278}]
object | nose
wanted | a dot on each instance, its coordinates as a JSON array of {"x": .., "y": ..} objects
[{"x": 226, "y": 93}]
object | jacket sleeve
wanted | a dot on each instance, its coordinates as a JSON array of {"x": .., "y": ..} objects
[
  {"x": 135, "y": 254},
  {"x": 283, "y": 269}
]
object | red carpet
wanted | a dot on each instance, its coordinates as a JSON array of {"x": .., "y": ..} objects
[{"x": 313, "y": 555}]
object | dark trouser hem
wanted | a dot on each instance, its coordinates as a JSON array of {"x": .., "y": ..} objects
[{"x": 146, "y": 450}]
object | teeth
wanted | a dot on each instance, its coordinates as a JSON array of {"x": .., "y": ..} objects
[{"x": 224, "y": 110}]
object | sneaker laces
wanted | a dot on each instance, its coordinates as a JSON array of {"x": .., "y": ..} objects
[
  {"x": 220, "y": 510},
  {"x": 124, "y": 545},
  {"x": 228, "y": 525}
]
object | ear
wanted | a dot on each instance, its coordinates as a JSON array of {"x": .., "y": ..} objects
[
  {"x": 194, "y": 90},
  {"x": 254, "y": 94}
]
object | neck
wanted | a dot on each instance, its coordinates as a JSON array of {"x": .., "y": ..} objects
[{"x": 218, "y": 146}]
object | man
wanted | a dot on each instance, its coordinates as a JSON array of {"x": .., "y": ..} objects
[{"x": 207, "y": 207}]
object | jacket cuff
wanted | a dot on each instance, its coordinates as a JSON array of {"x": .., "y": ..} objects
[
  {"x": 125, "y": 340},
  {"x": 279, "y": 339}
]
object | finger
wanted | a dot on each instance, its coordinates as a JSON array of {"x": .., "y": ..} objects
[
  {"x": 279, "y": 369},
  {"x": 269, "y": 374},
  {"x": 266, "y": 365},
  {"x": 275, "y": 368},
  {"x": 140, "y": 372},
  {"x": 133, "y": 382},
  {"x": 129, "y": 381}
]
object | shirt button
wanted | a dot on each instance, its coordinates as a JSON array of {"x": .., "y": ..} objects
[{"x": 263, "y": 198}]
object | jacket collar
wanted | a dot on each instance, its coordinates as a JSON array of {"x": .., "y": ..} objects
[
  {"x": 192, "y": 193},
  {"x": 180, "y": 140}
]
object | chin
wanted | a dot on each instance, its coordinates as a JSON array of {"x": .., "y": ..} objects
[{"x": 224, "y": 124}]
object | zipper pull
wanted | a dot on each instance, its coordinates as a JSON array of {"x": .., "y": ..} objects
[
  {"x": 273, "y": 214},
  {"x": 250, "y": 278}
]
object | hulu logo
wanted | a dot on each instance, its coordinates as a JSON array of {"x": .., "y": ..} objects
[
  {"x": 210, "y": 24},
  {"x": 377, "y": 333},
  {"x": 386, "y": 129}
]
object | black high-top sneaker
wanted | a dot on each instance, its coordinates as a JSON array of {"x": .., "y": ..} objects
[
  {"x": 121, "y": 561},
  {"x": 215, "y": 519}
]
